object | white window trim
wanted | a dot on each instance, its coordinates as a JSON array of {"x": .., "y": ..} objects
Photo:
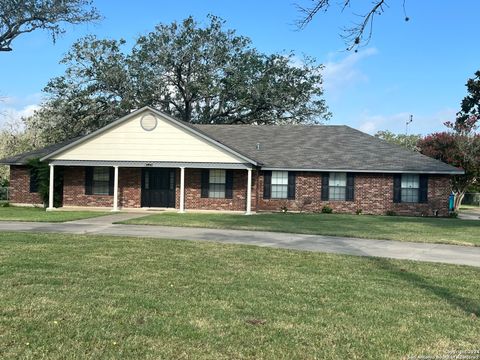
[
  {"x": 331, "y": 177},
  {"x": 417, "y": 176},
  {"x": 283, "y": 177},
  {"x": 217, "y": 184}
]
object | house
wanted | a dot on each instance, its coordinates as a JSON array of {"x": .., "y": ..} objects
[{"x": 150, "y": 159}]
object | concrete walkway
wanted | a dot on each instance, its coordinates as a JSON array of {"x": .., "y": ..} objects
[{"x": 451, "y": 254}]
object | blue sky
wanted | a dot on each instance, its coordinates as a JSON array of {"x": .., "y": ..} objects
[{"x": 418, "y": 67}]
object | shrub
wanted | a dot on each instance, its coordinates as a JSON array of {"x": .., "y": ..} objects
[
  {"x": 327, "y": 210},
  {"x": 5, "y": 204},
  {"x": 358, "y": 211},
  {"x": 43, "y": 176},
  {"x": 390, "y": 213},
  {"x": 453, "y": 214}
]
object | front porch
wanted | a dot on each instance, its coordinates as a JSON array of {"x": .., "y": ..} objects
[{"x": 144, "y": 186}]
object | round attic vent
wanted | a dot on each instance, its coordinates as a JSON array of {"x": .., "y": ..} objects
[{"x": 148, "y": 122}]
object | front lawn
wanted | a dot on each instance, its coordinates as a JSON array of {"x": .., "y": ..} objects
[
  {"x": 469, "y": 207},
  {"x": 18, "y": 213},
  {"x": 432, "y": 230},
  {"x": 72, "y": 296}
]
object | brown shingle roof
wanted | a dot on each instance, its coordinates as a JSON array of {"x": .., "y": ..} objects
[{"x": 321, "y": 147}]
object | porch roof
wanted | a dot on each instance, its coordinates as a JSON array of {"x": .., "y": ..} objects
[{"x": 153, "y": 164}]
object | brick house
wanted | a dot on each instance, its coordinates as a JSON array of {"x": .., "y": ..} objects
[{"x": 148, "y": 159}]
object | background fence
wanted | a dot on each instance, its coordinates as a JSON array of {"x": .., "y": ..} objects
[
  {"x": 4, "y": 194},
  {"x": 471, "y": 199}
]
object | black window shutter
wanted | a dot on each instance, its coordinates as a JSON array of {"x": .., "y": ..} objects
[
  {"x": 33, "y": 180},
  {"x": 204, "y": 183},
  {"x": 229, "y": 184},
  {"x": 423, "y": 190},
  {"x": 291, "y": 185},
  {"x": 350, "y": 193},
  {"x": 397, "y": 188},
  {"x": 88, "y": 180},
  {"x": 111, "y": 178},
  {"x": 267, "y": 184},
  {"x": 325, "y": 186}
]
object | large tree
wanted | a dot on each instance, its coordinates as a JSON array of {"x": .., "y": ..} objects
[
  {"x": 19, "y": 17},
  {"x": 200, "y": 74},
  {"x": 93, "y": 91}
]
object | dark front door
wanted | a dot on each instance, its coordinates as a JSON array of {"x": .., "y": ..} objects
[{"x": 158, "y": 187}]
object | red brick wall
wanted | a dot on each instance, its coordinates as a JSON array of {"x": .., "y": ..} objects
[
  {"x": 373, "y": 195},
  {"x": 129, "y": 191},
  {"x": 20, "y": 187},
  {"x": 193, "y": 199},
  {"x": 129, "y": 187},
  {"x": 438, "y": 192}
]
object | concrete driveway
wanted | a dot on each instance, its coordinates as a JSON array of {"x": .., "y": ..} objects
[
  {"x": 470, "y": 214},
  {"x": 450, "y": 254}
]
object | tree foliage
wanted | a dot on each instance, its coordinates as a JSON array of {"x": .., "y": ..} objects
[
  {"x": 16, "y": 138},
  {"x": 25, "y": 16},
  {"x": 469, "y": 115},
  {"x": 199, "y": 74},
  {"x": 42, "y": 171},
  {"x": 458, "y": 150},
  {"x": 93, "y": 91},
  {"x": 406, "y": 141}
]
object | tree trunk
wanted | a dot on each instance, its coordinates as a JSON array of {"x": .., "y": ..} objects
[{"x": 458, "y": 199}]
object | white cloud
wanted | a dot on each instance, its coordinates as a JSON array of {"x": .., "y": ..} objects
[
  {"x": 13, "y": 109},
  {"x": 343, "y": 73},
  {"x": 421, "y": 124},
  {"x": 368, "y": 127}
]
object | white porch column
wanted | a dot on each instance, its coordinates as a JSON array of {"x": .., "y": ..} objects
[
  {"x": 51, "y": 189},
  {"x": 182, "y": 190},
  {"x": 249, "y": 192},
  {"x": 115, "y": 189}
]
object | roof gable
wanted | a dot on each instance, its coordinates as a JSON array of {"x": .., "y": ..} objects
[{"x": 149, "y": 135}]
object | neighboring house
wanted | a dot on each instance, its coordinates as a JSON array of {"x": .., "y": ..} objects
[{"x": 149, "y": 159}]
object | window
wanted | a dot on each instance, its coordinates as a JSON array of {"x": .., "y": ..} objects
[
  {"x": 410, "y": 187},
  {"x": 216, "y": 183},
  {"x": 101, "y": 181},
  {"x": 279, "y": 184},
  {"x": 33, "y": 180},
  {"x": 337, "y": 186}
]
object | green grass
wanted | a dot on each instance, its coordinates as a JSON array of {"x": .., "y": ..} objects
[
  {"x": 72, "y": 296},
  {"x": 469, "y": 207},
  {"x": 431, "y": 230},
  {"x": 17, "y": 213}
]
